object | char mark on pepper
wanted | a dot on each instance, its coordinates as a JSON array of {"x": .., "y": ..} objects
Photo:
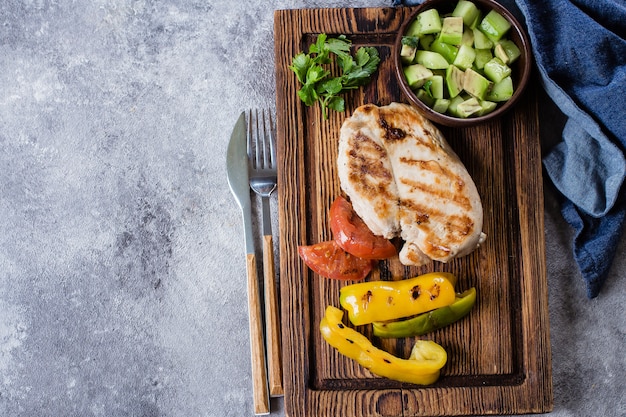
[{"x": 415, "y": 292}]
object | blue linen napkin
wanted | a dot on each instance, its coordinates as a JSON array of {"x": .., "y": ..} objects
[{"x": 579, "y": 47}]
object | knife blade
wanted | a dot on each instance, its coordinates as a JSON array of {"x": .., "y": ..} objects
[{"x": 237, "y": 171}]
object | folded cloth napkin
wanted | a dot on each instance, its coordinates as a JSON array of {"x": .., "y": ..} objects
[{"x": 579, "y": 47}]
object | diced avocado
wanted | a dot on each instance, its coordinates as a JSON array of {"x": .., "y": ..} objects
[
  {"x": 424, "y": 97},
  {"x": 429, "y": 22},
  {"x": 454, "y": 80},
  {"x": 501, "y": 91},
  {"x": 500, "y": 53},
  {"x": 486, "y": 107},
  {"x": 481, "y": 41},
  {"x": 436, "y": 86},
  {"x": 407, "y": 53},
  {"x": 482, "y": 57},
  {"x": 431, "y": 60},
  {"x": 416, "y": 75},
  {"x": 468, "y": 107},
  {"x": 475, "y": 84},
  {"x": 409, "y": 47},
  {"x": 467, "y": 10},
  {"x": 446, "y": 50},
  {"x": 426, "y": 40},
  {"x": 496, "y": 70},
  {"x": 452, "y": 30},
  {"x": 441, "y": 105},
  {"x": 454, "y": 103},
  {"x": 468, "y": 37},
  {"x": 494, "y": 25},
  {"x": 511, "y": 50},
  {"x": 465, "y": 57}
]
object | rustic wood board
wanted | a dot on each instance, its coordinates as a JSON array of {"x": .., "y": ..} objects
[{"x": 498, "y": 356}]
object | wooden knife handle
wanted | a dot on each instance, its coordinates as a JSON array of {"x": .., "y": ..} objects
[
  {"x": 272, "y": 320},
  {"x": 257, "y": 347}
]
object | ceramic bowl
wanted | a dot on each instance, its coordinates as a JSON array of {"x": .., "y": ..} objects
[{"x": 520, "y": 74}]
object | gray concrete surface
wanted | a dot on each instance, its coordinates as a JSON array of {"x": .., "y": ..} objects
[{"x": 121, "y": 268}]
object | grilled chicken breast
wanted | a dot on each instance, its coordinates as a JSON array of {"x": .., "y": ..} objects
[{"x": 403, "y": 179}]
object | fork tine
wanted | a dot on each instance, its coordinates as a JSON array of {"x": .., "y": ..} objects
[
  {"x": 270, "y": 135},
  {"x": 261, "y": 143},
  {"x": 262, "y": 138},
  {"x": 258, "y": 141}
]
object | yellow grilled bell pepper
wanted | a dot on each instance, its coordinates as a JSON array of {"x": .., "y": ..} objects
[
  {"x": 423, "y": 366},
  {"x": 367, "y": 302}
]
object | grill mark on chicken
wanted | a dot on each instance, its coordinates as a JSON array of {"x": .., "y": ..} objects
[
  {"x": 368, "y": 173},
  {"x": 404, "y": 180},
  {"x": 455, "y": 226},
  {"x": 391, "y": 133},
  {"x": 439, "y": 193}
]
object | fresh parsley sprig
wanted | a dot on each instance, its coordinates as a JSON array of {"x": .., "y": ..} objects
[{"x": 318, "y": 84}]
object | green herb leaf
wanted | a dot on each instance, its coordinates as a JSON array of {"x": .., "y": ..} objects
[
  {"x": 337, "y": 103},
  {"x": 427, "y": 87},
  {"x": 319, "y": 85},
  {"x": 300, "y": 65},
  {"x": 411, "y": 41},
  {"x": 333, "y": 86}
]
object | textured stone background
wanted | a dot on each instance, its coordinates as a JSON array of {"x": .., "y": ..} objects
[{"x": 121, "y": 263}]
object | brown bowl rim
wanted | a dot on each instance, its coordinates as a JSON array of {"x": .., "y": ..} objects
[{"x": 470, "y": 121}]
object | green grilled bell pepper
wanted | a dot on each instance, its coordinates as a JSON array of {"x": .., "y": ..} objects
[{"x": 430, "y": 321}]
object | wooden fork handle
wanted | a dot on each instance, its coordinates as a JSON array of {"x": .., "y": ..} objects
[
  {"x": 257, "y": 347},
  {"x": 272, "y": 320}
]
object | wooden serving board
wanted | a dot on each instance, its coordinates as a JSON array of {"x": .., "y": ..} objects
[{"x": 499, "y": 355}]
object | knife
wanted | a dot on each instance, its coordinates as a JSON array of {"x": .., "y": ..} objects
[{"x": 237, "y": 169}]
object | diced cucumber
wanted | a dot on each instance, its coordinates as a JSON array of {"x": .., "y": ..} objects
[
  {"x": 454, "y": 80},
  {"x": 501, "y": 91},
  {"x": 424, "y": 97},
  {"x": 496, "y": 70},
  {"x": 425, "y": 41},
  {"x": 468, "y": 107},
  {"x": 429, "y": 22},
  {"x": 481, "y": 41},
  {"x": 441, "y": 105},
  {"x": 475, "y": 84},
  {"x": 413, "y": 30},
  {"x": 476, "y": 21},
  {"x": 436, "y": 86},
  {"x": 444, "y": 49},
  {"x": 431, "y": 60},
  {"x": 454, "y": 103},
  {"x": 416, "y": 75},
  {"x": 494, "y": 25},
  {"x": 459, "y": 63},
  {"x": 486, "y": 107},
  {"x": 482, "y": 57},
  {"x": 465, "y": 57},
  {"x": 452, "y": 30},
  {"x": 467, "y": 10},
  {"x": 511, "y": 49}
]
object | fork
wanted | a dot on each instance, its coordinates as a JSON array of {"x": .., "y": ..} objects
[{"x": 263, "y": 181}]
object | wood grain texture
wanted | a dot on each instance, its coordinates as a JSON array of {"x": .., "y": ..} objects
[
  {"x": 499, "y": 356},
  {"x": 272, "y": 320},
  {"x": 261, "y": 397}
]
